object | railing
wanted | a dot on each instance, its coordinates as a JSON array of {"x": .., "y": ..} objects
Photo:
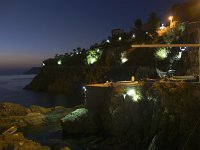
[{"x": 169, "y": 45}]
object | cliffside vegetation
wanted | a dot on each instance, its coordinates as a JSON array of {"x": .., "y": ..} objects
[
  {"x": 145, "y": 116},
  {"x": 114, "y": 59}
]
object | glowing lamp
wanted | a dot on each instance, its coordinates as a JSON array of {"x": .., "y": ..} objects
[
  {"x": 124, "y": 60},
  {"x": 131, "y": 92},
  {"x": 135, "y": 95},
  {"x": 170, "y": 18},
  {"x": 162, "y": 27},
  {"x": 183, "y": 48},
  {"x": 123, "y": 57},
  {"x": 93, "y": 60},
  {"x": 162, "y": 53},
  {"x": 84, "y": 89},
  {"x": 59, "y": 62}
]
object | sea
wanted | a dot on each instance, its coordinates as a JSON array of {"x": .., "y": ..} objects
[{"x": 12, "y": 90}]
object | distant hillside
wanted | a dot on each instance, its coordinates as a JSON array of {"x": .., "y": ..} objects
[{"x": 33, "y": 70}]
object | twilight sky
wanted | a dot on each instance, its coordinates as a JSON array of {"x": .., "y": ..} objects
[{"x": 34, "y": 30}]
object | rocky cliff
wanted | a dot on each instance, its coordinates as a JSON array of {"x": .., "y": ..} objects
[
  {"x": 67, "y": 80},
  {"x": 14, "y": 116},
  {"x": 155, "y": 116}
]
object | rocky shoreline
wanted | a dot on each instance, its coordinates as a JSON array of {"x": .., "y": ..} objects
[
  {"x": 15, "y": 115},
  {"x": 19, "y": 142},
  {"x": 153, "y": 117},
  {"x": 162, "y": 113}
]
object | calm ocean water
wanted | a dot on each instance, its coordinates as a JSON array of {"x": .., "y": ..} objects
[{"x": 11, "y": 90}]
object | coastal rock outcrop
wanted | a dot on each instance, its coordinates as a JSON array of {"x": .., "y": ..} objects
[
  {"x": 17, "y": 141},
  {"x": 129, "y": 118},
  {"x": 79, "y": 122},
  {"x": 17, "y": 115},
  {"x": 11, "y": 109}
]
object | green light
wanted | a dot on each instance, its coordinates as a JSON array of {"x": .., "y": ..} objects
[
  {"x": 134, "y": 93},
  {"x": 75, "y": 115},
  {"x": 59, "y": 62},
  {"x": 93, "y": 60},
  {"x": 93, "y": 56},
  {"x": 161, "y": 53},
  {"x": 123, "y": 57},
  {"x": 178, "y": 56}
]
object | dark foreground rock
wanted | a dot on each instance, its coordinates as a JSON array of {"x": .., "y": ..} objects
[
  {"x": 17, "y": 115},
  {"x": 151, "y": 116},
  {"x": 18, "y": 142},
  {"x": 79, "y": 122},
  {"x": 10, "y": 109},
  {"x": 14, "y": 116}
]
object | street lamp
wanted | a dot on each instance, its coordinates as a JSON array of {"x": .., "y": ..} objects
[{"x": 171, "y": 21}]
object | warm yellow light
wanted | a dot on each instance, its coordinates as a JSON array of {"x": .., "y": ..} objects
[
  {"x": 171, "y": 21},
  {"x": 170, "y": 18}
]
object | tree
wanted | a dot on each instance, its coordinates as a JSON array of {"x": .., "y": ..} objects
[
  {"x": 138, "y": 24},
  {"x": 153, "y": 22}
]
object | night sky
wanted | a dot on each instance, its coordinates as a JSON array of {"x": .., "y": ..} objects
[{"x": 34, "y": 30}]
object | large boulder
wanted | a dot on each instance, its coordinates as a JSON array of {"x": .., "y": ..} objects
[
  {"x": 79, "y": 122},
  {"x": 57, "y": 113}
]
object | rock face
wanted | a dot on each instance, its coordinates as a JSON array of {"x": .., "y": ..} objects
[
  {"x": 39, "y": 109},
  {"x": 10, "y": 109},
  {"x": 154, "y": 117},
  {"x": 13, "y": 116},
  {"x": 56, "y": 79},
  {"x": 17, "y": 115},
  {"x": 79, "y": 122},
  {"x": 18, "y": 142}
]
